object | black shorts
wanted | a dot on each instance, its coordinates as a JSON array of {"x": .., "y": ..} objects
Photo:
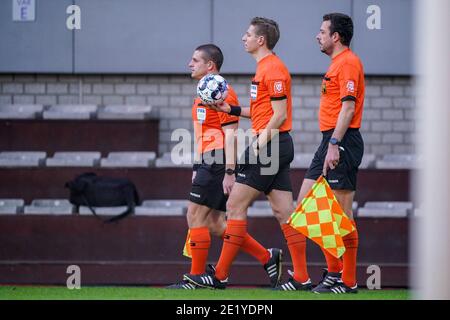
[
  {"x": 261, "y": 175},
  {"x": 207, "y": 188},
  {"x": 343, "y": 177}
]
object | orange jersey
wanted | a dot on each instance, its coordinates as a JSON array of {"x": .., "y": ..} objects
[
  {"x": 343, "y": 81},
  {"x": 272, "y": 81},
  {"x": 208, "y": 123}
]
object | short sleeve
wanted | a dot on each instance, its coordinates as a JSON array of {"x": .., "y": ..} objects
[
  {"x": 276, "y": 81},
  {"x": 348, "y": 82},
  {"x": 277, "y": 89}
]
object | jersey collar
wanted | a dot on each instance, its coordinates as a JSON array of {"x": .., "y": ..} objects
[{"x": 341, "y": 53}]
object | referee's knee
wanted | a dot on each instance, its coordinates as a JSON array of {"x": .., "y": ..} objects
[
  {"x": 236, "y": 210},
  {"x": 282, "y": 214}
]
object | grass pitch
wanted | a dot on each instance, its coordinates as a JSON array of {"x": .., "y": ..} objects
[{"x": 152, "y": 293}]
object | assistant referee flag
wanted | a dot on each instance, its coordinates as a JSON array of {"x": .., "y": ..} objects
[{"x": 320, "y": 218}]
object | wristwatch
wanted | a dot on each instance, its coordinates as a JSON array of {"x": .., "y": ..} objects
[
  {"x": 335, "y": 142},
  {"x": 230, "y": 171}
]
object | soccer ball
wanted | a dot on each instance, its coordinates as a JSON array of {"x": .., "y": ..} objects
[{"x": 212, "y": 89}]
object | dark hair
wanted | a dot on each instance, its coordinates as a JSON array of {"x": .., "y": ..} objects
[
  {"x": 342, "y": 24},
  {"x": 268, "y": 29},
  {"x": 212, "y": 53}
]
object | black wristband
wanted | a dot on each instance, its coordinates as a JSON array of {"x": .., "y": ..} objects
[
  {"x": 195, "y": 166},
  {"x": 235, "y": 111}
]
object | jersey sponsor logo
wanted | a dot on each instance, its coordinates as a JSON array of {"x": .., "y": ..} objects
[
  {"x": 196, "y": 195},
  {"x": 201, "y": 114},
  {"x": 350, "y": 86},
  {"x": 278, "y": 87},
  {"x": 333, "y": 181},
  {"x": 253, "y": 91}
]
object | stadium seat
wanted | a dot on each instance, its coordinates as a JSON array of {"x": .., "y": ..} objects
[
  {"x": 166, "y": 203},
  {"x": 160, "y": 211},
  {"x": 302, "y": 160},
  {"x": 129, "y": 159},
  {"x": 398, "y": 161},
  {"x": 162, "y": 208},
  {"x": 21, "y": 111},
  {"x": 389, "y": 205},
  {"x": 368, "y": 161},
  {"x": 71, "y": 112},
  {"x": 102, "y": 211},
  {"x": 355, "y": 207},
  {"x": 126, "y": 112},
  {"x": 50, "y": 206},
  {"x": 261, "y": 204},
  {"x": 22, "y": 158},
  {"x": 166, "y": 161},
  {"x": 260, "y": 212},
  {"x": 74, "y": 159},
  {"x": 11, "y": 206},
  {"x": 383, "y": 209}
]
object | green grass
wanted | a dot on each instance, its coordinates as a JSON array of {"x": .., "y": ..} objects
[{"x": 151, "y": 293}]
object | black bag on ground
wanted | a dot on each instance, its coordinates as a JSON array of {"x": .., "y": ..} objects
[{"x": 90, "y": 190}]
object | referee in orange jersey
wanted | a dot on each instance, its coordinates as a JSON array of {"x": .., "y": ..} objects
[
  {"x": 340, "y": 152},
  {"x": 214, "y": 177},
  {"x": 271, "y": 115}
]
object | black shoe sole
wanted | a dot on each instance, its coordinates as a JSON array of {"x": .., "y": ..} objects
[{"x": 200, "y": 284}]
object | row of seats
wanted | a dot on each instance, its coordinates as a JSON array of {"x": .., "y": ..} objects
[
  {"x": 371, "y": 161},
  {"x": 64, "y": 207},
  {"x": 371, "y": 209},
  {"x": 77, "y": 112},
  {"x": 148, "y": 159},
  {"x": 77, "y": 159},
  {"x": 391, "y": 209},
  {"x": 260, "y": 208}
]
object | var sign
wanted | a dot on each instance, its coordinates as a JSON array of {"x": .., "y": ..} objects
[{"x": 23, "y": 10}]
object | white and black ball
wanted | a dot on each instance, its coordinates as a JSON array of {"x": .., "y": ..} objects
[{"x": 212, "y": 89}]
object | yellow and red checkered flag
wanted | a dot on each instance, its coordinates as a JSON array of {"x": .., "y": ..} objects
[
  {"x": 320, "y": 218},
  {"x": 187, "y": 248}
]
